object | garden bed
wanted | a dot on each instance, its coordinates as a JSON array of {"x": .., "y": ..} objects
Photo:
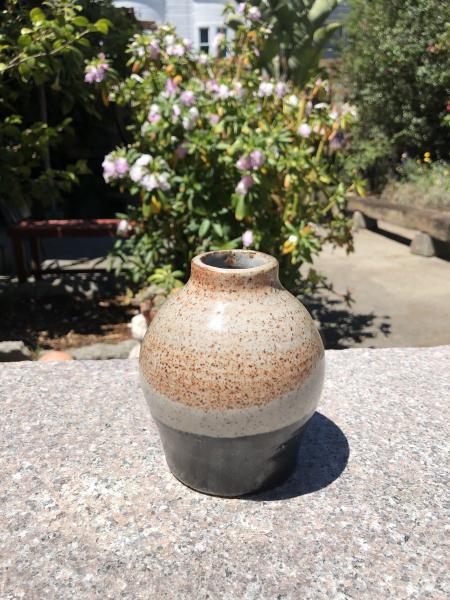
[{"x": 63, "y": 322}]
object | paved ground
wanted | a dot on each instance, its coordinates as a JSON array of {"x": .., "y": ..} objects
[{"x": 399, "y": 299}]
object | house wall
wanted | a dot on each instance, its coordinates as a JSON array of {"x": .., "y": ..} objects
[
  {"x": 187, "y": 16},
  {"x": 206, "y": 14}
]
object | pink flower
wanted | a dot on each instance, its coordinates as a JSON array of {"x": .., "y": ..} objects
[
  {"x": 163, "y": 181},
  {"x": 153, "y": 50},
  {"x": 241, "y": 8},
  {"x": 176, "y": 111},
  {"x": 122, "y": 228},
  {"x": 238, "y": 89},
  {"x": 280, "y": 89},
  {"x": 171, "y": 87},
  {"x": 244, "y": 163},
  {"x": 176, "y": 50},
  {"x": 223, "y": 92},
  {"x": 254, "y": 14},
  {"x": 187, "y": 43},
  {"x": 137, "y": 171},
  {"x": 91, "y": 74},
  {"x": 265, "y": 89},
  {"x": 154, "y": 115},
  {"x": 121, "y": 166},
  {"x": 257, "y": 159},
  {"x": 304, "y": 130},
  {"x": 96, "y": 73},
  {"x": 247, "y": 238},
  {"x": 244, "y": 185},
  {"x": 143, "y": 160},
  {"x": 190, "y": 119},
  {"x": 187, "y": 98},
  {"x": 149, "y": 182},
  {"x": 181, "y": 152},
  {"x": 212, "y": 85},
  {"x": 109, "y": 169},
  {"x": 214, "y": 119}
]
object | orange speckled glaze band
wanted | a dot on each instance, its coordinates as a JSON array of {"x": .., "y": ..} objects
[{"x": 233, "y": 352}]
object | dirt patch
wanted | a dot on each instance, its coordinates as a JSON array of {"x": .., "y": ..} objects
[{"x": 65, "y": 322}]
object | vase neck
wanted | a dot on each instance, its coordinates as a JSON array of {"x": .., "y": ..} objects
[{"x": 234, "y": 269}]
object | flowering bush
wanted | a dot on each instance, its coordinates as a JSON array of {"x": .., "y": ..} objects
[{"x": 223, "y": 156}]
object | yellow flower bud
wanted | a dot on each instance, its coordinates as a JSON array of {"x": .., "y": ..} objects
[
  {"x": 156, "y": 205},
  {"x": 289, "y": 244}
]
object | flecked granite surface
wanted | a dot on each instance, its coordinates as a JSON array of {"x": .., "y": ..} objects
[{"x": 88, "y": 508}]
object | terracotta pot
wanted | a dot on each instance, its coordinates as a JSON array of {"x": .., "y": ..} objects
[{"x": 232, "y": 368}]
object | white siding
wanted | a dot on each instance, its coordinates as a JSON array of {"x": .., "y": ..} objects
[
  {"x": 187, "y": 16},
  {"x": 179, "y": 13},
  {"x": 206, "y": 14}
]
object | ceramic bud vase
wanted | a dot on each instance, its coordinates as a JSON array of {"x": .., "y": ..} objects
[{"x": 232, "y": 368}]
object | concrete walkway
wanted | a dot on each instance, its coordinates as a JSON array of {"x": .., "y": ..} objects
[{"x": 400, "y": 299}]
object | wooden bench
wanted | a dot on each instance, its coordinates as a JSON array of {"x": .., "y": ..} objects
[
  {"x": 33, "y": 231},
  {"x": 432, "y": 226}
]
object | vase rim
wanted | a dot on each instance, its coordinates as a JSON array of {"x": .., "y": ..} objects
[{"x": 245, "y": 263}]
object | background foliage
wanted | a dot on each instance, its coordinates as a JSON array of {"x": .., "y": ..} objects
[
  {"x": 300, "y": 30},
  {"x": 49, "y": 119},
  {"x": 396, "y": 60}
]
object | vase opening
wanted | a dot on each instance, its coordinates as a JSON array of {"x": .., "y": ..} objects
[
  {"x": 233, "y": 260},
  {"x": 232, "y": 268}
]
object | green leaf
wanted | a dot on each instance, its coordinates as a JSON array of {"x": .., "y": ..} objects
[
  {"x": 37, "y": 15},
  {"x": 24, "y": 40},
  {"x": 103, "y": 25},
  {"x": 218, "y": 229},
  {"x": 204, "y": 228},
  {"x": 240, "y": 211},
  {"x": 80, "y": 21},
  {"x": 24, "y": 70}
]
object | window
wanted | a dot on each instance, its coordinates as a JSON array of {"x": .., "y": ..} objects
[{"x": 204, "y": 39}]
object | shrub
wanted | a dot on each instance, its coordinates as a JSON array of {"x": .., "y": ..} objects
[
  {"x": 422, "y": 183},
  {"x": 46, "y": 110},
  {"x": 224, "y": 157},
  {"x": 395, "y": 65}
]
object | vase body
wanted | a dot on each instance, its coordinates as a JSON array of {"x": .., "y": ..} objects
[{"x": 232, "y": 368}]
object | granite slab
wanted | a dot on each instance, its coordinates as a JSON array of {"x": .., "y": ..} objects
[{"x": 88, "y": 508}]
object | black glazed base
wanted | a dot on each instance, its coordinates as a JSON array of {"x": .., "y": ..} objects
[{"x": 231, "y": 467}]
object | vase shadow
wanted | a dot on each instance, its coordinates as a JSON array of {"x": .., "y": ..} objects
[{"x": 322, "y": 457}]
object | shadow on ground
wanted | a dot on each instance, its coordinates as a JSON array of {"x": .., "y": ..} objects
[
  {"x": 323, "y": 456},
  {"x": 64, "y": 311},
  {"x": 340, "y": 326}
]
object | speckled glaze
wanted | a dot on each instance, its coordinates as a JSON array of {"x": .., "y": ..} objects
[{"x": 232, "y": 368}]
